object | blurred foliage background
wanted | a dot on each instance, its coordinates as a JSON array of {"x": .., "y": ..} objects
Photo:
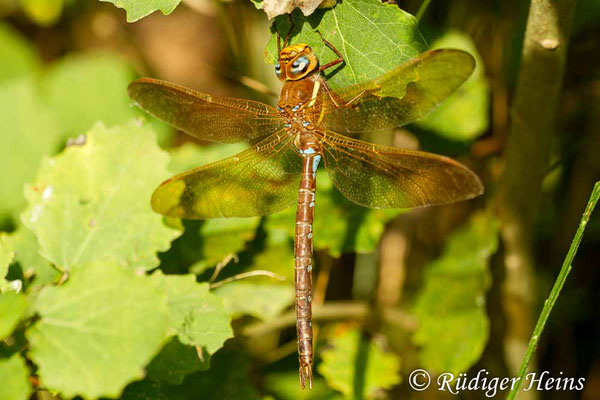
[{"x": 394, "y": 290}]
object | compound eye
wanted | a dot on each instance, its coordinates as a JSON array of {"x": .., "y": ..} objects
[
  {"x": 277, "y": 69},
  {"x": 300, "y": 65}
]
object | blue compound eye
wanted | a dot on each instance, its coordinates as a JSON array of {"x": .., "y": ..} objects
[{"x": 300, "y": 64}]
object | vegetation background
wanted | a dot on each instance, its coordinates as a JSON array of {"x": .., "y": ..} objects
[{"x": 101, "y": 298}]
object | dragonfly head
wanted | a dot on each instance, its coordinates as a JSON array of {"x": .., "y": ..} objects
[{"x": 295, "y": 62}]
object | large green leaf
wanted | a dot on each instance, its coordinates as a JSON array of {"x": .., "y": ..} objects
[
  {"x": 83, "y": 89},
  {"x": 359, "y": 367},
  {"x": 31, "y": 262},
  {"x": 261, "y": 300},
  {"x": 17, "y": 57},
  {"x": 14, "y": 379},
  {"x": 97, "y": 331},
  {"x": 453, "y": 325},
  {"x": 197, "y": 316},
  {"x": 92, "y": 202},
  {"x": 12, "y": 307},
  {"x": 137, "y": 9},
  {"x": 393, "y": 38},
  {"x": 28, "y": 132},
  {"x": 340, "y": 226},
  {"x": 464, "y": 115},
  {"x": 175, "y": 361},
  {"x": 7, "y": 254}
]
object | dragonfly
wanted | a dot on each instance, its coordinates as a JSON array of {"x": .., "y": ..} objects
[{"x": 311, "y": 124}]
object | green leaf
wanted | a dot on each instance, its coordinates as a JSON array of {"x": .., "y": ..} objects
[
  {"x": 7, "y": 254},
  {"x": 175, "y": 361},
  {"x": 278, "y": 255},
  {"x": 263, "y": 301},
  {"x": 222, "y": 237},
  {"x": 284, "y": 386},
  {"x": 97, "y": 331},
  {"x": 358, "y": 367},
  {"x": 340, "y": 226},
  {"x": 83, "y": 89},
  {"x": 393, "y": 38},
  {"x": 196, "y": 315},
  {"x": 27, "y": 255},
  {"x": 453, "y": 325},
  {"x": 92, "y": 202},
  {"x": 29, "y": 132},
  {"x": 137, "y": 9},
  {"x": 143, "y": 390},
  {"x": 17, "y": 57},
  {"x": 12, "y": 307},
  {"x": 464, "y": 115},
  {"x": 15, "y": 379},
  {"x": 227, "y": 378}
]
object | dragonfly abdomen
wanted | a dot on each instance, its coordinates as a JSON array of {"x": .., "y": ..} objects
[{"x": 303, "y": 249}]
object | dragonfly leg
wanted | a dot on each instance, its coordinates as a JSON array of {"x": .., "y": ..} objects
[
  {"x": 289, "y": 34},
  {"x": 340, "y": 58}
]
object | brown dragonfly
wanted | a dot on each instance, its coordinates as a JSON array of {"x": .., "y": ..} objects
[{"x": 310, "y": 124}]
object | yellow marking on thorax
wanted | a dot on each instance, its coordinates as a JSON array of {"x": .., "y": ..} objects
[{"x": 315, "y": 92}]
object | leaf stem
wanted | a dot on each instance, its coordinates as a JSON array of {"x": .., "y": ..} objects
[
  {"x": 558, "y": 285},
  {"x": 422, "y": 9}
]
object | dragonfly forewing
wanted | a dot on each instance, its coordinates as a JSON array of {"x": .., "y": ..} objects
[{"x": 213, "y": 118}]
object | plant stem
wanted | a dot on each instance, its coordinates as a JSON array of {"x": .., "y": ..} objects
[
  {"x": 422, "y": 9},
  {"x": 331, "y": 311},
  {"x": 558, "y": 285},
  {"x": 533, "y": 122}
]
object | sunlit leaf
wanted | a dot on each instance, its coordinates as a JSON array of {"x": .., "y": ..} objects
[
  {"x": 393, "y": 38},
  {"x": 261, "y": 300},
  {"x": 453, "y": 325},
  {"x": 97, "y": 331},
  {"x": 31, "y": 262},
  {"x": 12, "y": 306},
  {"x": 197, "y": 316},
  {"x": 137, "y": 9},
  {"x": 464, "y": 115},
  {"x": 15, "y": 379},
  {"x": 91, "y": 202},
  {"x": 17, "y": 57},
  {"x": 7, "y": 254},
  {"x": 359, "y": 367},
  {"x": 175, "y": 361},
  {"x": 83, "y": 89},
  {"x": 43, "y": 12},
  {"x": 29, "y": 132}
]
